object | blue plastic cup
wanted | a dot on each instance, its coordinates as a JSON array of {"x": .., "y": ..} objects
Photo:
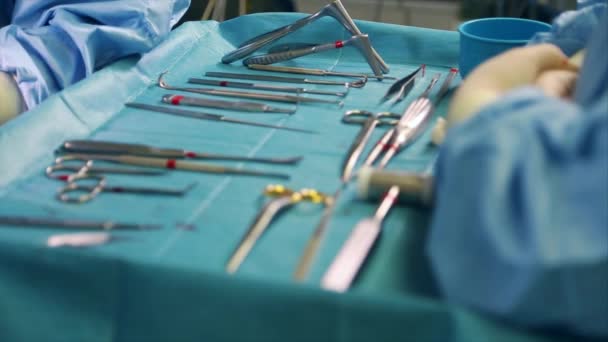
[{"x": 482, "y": 39}]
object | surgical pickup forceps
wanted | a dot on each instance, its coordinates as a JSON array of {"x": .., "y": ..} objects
[
  {"x": 107, "y": 147},
  {"x": 269, "y": 78},
  {"x": 247, "y": 106},
  {"x": 44, "y": 222},
  {"x": 265, "y": 87},
  {"x": 369, "y": 121},
  {"x": 88, "y": 181},
  {"x": 173, "y": 164},
  {"x": 412, "y": 123},
  {"x": 248, "y": 95}
]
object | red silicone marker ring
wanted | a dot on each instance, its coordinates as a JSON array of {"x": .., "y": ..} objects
[
  {"x": 171, "y": 163},
  {"x": 176, "y": 99}
]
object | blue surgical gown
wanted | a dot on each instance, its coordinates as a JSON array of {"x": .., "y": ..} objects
[
  {"x": 520, "y": 228},
  {"x": 51, "y": 44}
]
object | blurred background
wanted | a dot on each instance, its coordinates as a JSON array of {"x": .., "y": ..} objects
[{"x": 445, "y": 15}]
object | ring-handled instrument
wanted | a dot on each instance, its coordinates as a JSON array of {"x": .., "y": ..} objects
[
  {"x": 347, "y": 263},
  {"x": 359, "y": 41},
  {"x": 248, "y": 95},
  {"x": 247, "y": 106},
  {"x": 173, "y": 164},
  {"x": 50, "y": 222},
  {"x": 284, "y": 198},
  {"x": 83, "y": 187},
  {"x": 110, "y": 147},
  {"x": 314, "y": 72},
  {"x": 334, "y": 9},
  {"x": 86, "y": 182},
  {"x": 265, "y": 87},
  {"x": 62, "y": 169},
  {"x": 283, "y": 79},
  {"x": 368, "y": 121},
  {"x": 210, "y": 117},
  {"x": 412, "y": 123}
]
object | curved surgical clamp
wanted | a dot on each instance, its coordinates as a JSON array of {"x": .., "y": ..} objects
[
  {"x": 334, "y": 9},
  {"x": 369, "y": 121},
  {"x": 285, "y": 198},
  {"x": 78, "y": 182}
]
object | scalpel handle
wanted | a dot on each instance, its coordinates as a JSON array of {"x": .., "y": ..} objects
[{"x": 351, "y": 256}]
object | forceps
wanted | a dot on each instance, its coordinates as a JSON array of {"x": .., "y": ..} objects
[
  {"x": 369, "y": 121},
  {"x": 270, "y": 78},
  {"x": 314, "y": 72},
  {"x": 44, "y": 222},
  {"x": 334, "y": 9},
  {"x": 245, "y": 85},
  {"x": 247, "y": 95},
  {"x": 108, "y": 147},
  {"x": 285, "y": 198},
  {"x": 89, "y": 183},
  {"x": 410, "y": 126},
  {"x": 247, "y": 106},
  {"x": 173, "y": 164}
]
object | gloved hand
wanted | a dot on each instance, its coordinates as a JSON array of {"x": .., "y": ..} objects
[
  {"x": 11, "y": 102},
  {"x": 544, "y": 65}
]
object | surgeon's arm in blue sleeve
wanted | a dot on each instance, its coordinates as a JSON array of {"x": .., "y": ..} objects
[
  {"x": 520, "y": 228},
  {"x": 50, "y": 45}
]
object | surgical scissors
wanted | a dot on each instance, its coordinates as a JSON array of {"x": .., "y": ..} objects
[
  {"x": 410, "y": 126},
  {"x": 89, "y": 183},
  {"x": 368, "y": 121},
  {"x": 334, "y": 9}
]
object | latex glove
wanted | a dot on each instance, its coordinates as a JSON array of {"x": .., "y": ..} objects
[
  {"x": 11, "y": 102},
  {"x": 561, "y": 83},
  {"x": 511, "y": 69}
]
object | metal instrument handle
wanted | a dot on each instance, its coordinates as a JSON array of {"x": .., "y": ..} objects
[
  {"x": 91, "y": 146},
  {"x": 67, "y": 193},
  {"x": 262, "y": 40},
  {"x": 276, "y": 57}
]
